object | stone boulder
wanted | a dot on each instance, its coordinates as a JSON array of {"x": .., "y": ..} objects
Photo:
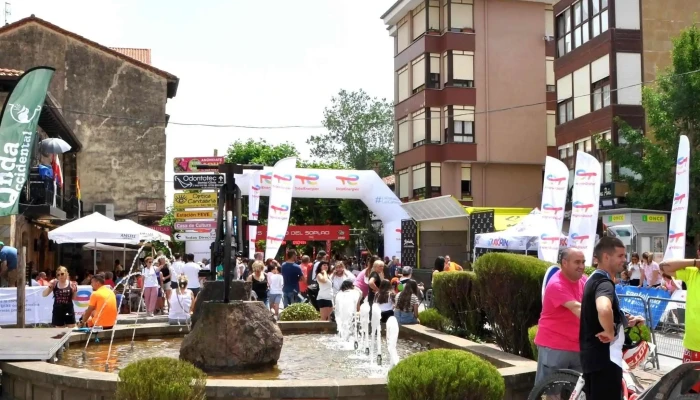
[
  {"x": 236, "y": 336},
  {"x": 214, "y": 291}
]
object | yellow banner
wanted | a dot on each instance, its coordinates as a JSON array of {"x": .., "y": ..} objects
[
  {"x": 194, "y": 214},
  {"x": 616, "y": 218},
  {"x": 194, "y": 200}
]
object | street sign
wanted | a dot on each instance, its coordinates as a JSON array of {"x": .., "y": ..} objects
[
  {"x": 194, "y": 200},
  {"x": 190, "y": 164},
  {"x": 194, "y": 215},
  {"x": 198, "y": 181},
  {"x": 195, "y": 225},
  {"x": 194, "y": 236}
]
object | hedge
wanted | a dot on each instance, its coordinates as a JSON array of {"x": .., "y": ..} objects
[
  {"x": 445, "y": 375},
  {"x": 455, "y": 297},
  {"x": 433, "y": 319},
  {"x": 531, "y": 333},
  {"x": 161, "y": 378},
  {"x": 299, "y": 312},
  {"x": 509, "y": 288}
]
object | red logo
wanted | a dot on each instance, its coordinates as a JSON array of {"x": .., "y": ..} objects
[
  {"x": 580, "y": 206},
  {"x": 675, "y": 237},
  {"x": 557, "y": 179},
  {"x": 582, "y": 173}
]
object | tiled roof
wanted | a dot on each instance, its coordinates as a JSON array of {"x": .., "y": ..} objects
[
  {"x": 10, "y": 72},
  {"x": 389, "y": 180},
  {"x": 59, "y": 30},
  {"x": 142, "y": 55}
]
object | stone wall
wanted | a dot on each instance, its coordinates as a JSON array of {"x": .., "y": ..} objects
[{"x": 115, "y": 108}]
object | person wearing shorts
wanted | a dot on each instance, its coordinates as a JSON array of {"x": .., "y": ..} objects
[
  {"x": 557, "y": 336},
  {"x": 276, "y": 282}
]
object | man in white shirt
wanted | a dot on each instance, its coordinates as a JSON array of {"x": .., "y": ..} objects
[
  {"x": 191, "y": 271},
  {"x": 176, "y": 269}
]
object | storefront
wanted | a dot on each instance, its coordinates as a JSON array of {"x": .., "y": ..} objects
[{"x": 640, "y": 230}]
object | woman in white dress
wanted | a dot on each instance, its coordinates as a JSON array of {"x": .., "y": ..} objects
[{"x": 181, "y": 303}]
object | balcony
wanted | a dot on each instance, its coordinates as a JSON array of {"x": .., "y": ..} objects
[{"x": 36, "y": 201}]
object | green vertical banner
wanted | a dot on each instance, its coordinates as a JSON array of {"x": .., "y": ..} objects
[{"x": 20, "y": 117}]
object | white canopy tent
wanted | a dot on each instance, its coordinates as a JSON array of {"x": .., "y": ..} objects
[
  {"x": 524, "y": 236},
  {"x": 145, "y": 234},
  {"x": 92, "y": 229},
  {"x": 106, "y": 247}
]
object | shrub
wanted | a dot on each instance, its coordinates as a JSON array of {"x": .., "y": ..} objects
[
  {"x": 433, "y": 319},
  {"x": 531, "y": 333},
  {"x": 455, "y": 297},
  {"x": 445, "y": 375},
  {"x": 509, "y": 288},
  {"x": 161, "y": 378},
  {"x": 300, "y": 312},
  {"x": 589, "y": 270}
]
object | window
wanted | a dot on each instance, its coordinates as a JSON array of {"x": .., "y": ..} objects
[
  {"x": 585, "y": 145},
  {"x": 601, "y": 94},
  {"x": 435, "y": 126},
  {"x": 418, "y": 174},
  {"x": 434, "y": 77},
  {"x": 462, "y": 124},
  {"x": 403, "y": 184},
  {"x": 418, "y": 72},
  {"x": 418, "y": 128},
  {"x": 581, "y": 23},
  {"x": 404, "y": 138},
  {"x": 551, "y": 124},
  {"x": 549, "y": 78},
  {"x": 434, "y": 15},
  {"x": 404, "y": 91},
  {"x": 564, "y": 33},
  {"x": 565, "y": 111},
  {"x": 462, "y": 68},
  {"x": 599, "y": 17},
  {"x": 418, "y": 14},
  {"x": 461, "y": 15},
  {"x": 566, "y": 155},
  {"x": 403, "y": 36},
  {"x": 606, "y": 170},
  {"x": 466, "y": 182},
  {"x": 435, "y": 183}
]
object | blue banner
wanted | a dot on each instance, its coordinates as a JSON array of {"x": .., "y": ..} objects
[{"x": 636, "y": 306}]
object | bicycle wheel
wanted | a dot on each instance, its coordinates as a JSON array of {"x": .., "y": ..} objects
[{"x": 559, "y": 385}]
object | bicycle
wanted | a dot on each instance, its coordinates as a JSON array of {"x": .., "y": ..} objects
[{"x": 569, "y": 384}]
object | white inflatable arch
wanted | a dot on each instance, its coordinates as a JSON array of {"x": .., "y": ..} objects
[{"x": 343, "y": 184}]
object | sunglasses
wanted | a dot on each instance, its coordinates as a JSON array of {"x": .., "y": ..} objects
[{"x": 60, "y": 274}]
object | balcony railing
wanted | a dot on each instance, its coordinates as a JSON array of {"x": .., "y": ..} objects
[{"x": 37, "y": 199}]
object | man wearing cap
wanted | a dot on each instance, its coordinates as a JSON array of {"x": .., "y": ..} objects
[{"x": 8, "y": 265}]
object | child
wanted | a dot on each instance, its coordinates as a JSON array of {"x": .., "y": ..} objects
[
  {"x": 624, "y": 278},
  {"x": 385, "y": 299},
  {"x": 276, "y": 283}
]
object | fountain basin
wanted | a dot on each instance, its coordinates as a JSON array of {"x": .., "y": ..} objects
[{"x": 42, "y": 380}]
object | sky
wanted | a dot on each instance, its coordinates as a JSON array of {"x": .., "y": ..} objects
[{"x": 241, "y": 62}]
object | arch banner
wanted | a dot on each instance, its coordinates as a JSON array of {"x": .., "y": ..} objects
[{"x": 341, "y": 184}]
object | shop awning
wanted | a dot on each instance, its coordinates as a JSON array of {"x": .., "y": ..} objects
[
  {"x": 442, "y": 207},
  {"x": 504, "y": 217}
]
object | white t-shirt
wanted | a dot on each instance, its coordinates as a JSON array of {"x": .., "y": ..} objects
[
  {"x": 338, "y": 280},
  {"x": 635, "y": 271},
  {"x": 649, "y": 272},
  {"x": 150, "y": 279},
  {"x": 180, "y": 304},
  {"x": 313, "y": 270},
  {"x": 191, "y": 271},
  {"x": 176, "y": 270},
  {"x": 276, "y": 283},
  {"x": 325, "y": 290}
]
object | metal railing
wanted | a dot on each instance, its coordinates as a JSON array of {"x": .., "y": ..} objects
[{"x": 665, "y": 319}]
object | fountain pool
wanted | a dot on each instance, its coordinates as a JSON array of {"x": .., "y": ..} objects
[{"x": 304, "y": 356}]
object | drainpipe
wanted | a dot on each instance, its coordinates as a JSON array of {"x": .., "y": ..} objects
[{"x": 488, "y": 132}]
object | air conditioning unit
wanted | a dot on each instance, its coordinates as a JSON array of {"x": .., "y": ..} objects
[{"x": 106, "y": 209}]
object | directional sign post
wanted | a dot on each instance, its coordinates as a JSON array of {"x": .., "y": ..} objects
[
  {"x": 195, "y": 236},
  {"x": 195, "y": 225},
  {"x": 186, "y": 215},
  {"x": 182, "y": 201},
  {"x": 198, "y": 181}
]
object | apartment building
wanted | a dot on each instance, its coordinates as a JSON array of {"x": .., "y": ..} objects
[
  {"x": 604, "y": 50},
  {"x": 472, "y": 80}
]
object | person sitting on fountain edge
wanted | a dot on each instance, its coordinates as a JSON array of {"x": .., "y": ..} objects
[{"x": 102, "y": 309}]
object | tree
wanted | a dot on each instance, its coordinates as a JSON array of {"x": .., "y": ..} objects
[
  {"x": 647, "y": 162},
  {"x": 360, "y": 132},
  {"x": 169, "y": 220},
  {"x": 259, "y": 152}
]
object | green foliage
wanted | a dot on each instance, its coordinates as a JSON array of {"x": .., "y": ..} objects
[
  {"x": 589, "y": 270},
  {"x": 360, "y": 132},
  {"x": 300, "y": 312},
  {"x": 259, "y": 152},
  {"x": 169, "y": 220},
  {"x": 531, "y": 333},
  {"x": 456, "y": 298},
  {"x": 639, "y": 332},
  {"x": 445, "y": 375},
  {"x": 433, "y": 319},
  {"x": 161, "y": 378},
  {"x": 510, "y": 292},
  {"x": 647, "y": 162}
]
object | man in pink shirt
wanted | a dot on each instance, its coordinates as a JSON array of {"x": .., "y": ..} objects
[{"x": 557, "y": 335}]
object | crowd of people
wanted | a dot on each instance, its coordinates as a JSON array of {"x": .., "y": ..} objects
[{"x": 581, "y": 326}]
